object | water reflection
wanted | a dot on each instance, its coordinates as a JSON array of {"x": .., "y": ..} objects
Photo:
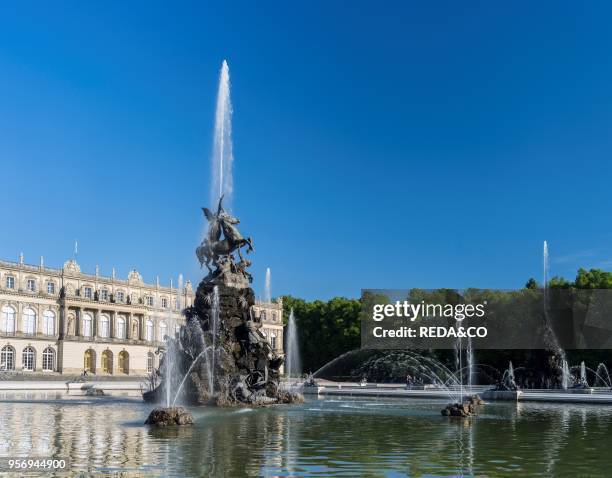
[{"x": 322, "y": 437}]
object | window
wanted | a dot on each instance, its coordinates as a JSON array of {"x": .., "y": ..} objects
[
  {"x": 29, "y": 321},
  {"x": 87, "y": 323},
  {"x": 104, "y": 294},
  {"x": 50, "y": 287},
  {"x": 87, "y": 292},
  {"x": 177, "y": 330},
  {"x": 124, "y": 362},
  {"x": 149, "y": 362},
  {"x": 48, "y": 360},
  {"x": 119, "y": 296},
  {"x": 164, "y": 303},
  {"x": 49, "y": 322},
  {"x": 28, "y": 359},
  {"x": 163, "y": 330},
  {"x": 262, "y": 316},
  {"x": 150, "y": 301},
  {"x": 89, "y": 361},
  {"x": 7, "y": 358},
  {"x": 10, "y": 282},
  {"x": 31, "y": 285},
  {"x": 121, "y": 327},
  {"x": 273, "y": 316},
  {"x": 104, "y": 328},
  {"x": 149, "y": 330},
  {"x": 107, "y": 361},
  {"x": 273, "y": 340},
  {"x": 7, "y": 321}
]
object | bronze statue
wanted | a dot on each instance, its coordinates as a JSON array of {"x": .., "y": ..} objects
[{"x": 220, "y": 250}]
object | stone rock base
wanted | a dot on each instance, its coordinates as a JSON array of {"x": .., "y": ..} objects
[
  {"x": 163, "y": 417},
  {"x": 468, "y": 408}
]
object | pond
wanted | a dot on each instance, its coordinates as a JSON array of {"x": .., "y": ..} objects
[{"x": 322, "y": 437}]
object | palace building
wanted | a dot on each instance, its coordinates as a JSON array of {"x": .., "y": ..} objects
[{"x": 64, "y": 321}]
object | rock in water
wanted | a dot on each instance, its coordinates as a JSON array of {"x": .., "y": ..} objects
[
  {"x": 164, "y": 417},
  {"x": 468, "y": 408}
]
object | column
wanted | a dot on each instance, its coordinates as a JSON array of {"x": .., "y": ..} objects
[
  {"x": 113, "y": 324},
  {"x": 77, "y": 321},
  {"x": 128, "y": 326},
  {"x": 94, "y": 331}
]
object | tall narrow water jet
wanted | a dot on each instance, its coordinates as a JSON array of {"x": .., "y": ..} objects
[
  {"x": 171, "y": 352},
  {"x": 179, "y": 294},
  {"x": 583, "y": 377},
  {"x": 214, "y": 330},
  {"x": 470, "y": 360},
  {"x": 222, "y": 156},
  {"x": 293, "y": 353},
  {"x": 565, "y": 375},
  {"x": 268, "y": 288},
  {"x": 545, "y": 273},
  {"x": 545, "y": 264}
]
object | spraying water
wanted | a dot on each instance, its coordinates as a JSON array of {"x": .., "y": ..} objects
[
  {"x": 268, "y": 289},
  {"x": 170, "y": 356},
  {"x": 214, "y": 327},
  {"x": 470, "y": 360},
  {"x": 602, "y": 376},
  {"x": 565, "y": 375},
  {"x": 583, "y": 377},
  {"x": 545, "y": 273},
  {"x": 545, "y": 265},
  {"x": 293, "y": 352},
  {"x": 223, "y": 157}
]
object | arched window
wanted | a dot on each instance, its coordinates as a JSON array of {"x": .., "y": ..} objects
[
  {"x": 150, "y": 362},
  {"x": 121, "y": 327},
  {"x": 163, "y": 330},
  {"x": 273, "y": 340},
  {"x": 87, "y": 325},
  {"x": 124, "y": 362},
  {"x": 107, "y": 361},
  {"x": 89, "y": 361},
  {"x": 48, "y": 360},
  {"x": 7, "y": 321},
  {"x": 49, "y": 322},
  {"x": 104, "y": 326},
  {"x": 29, "y": 321},
  {"x": 150, "y": 330},
  {"x": 28, "y": 359},
  {"x": 7, "y": 358}
]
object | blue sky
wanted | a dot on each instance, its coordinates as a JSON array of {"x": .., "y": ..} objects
[{"x": 404, "y": 145}]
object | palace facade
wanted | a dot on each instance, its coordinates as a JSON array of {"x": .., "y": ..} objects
[{"x": 64, "y": 321}]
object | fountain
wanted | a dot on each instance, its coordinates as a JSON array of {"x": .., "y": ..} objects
[
  {"x": 565, "y": 375},
  {"x": 221, "y": 353},
  {"x": 293, "y": 366},
  {"x": 602, "y": 376},
  {"x": 223, "y": 157},
  {"x": 268, "y": 290}
]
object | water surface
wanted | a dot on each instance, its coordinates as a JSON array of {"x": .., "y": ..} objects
[{"x": 327, "y": 437}]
